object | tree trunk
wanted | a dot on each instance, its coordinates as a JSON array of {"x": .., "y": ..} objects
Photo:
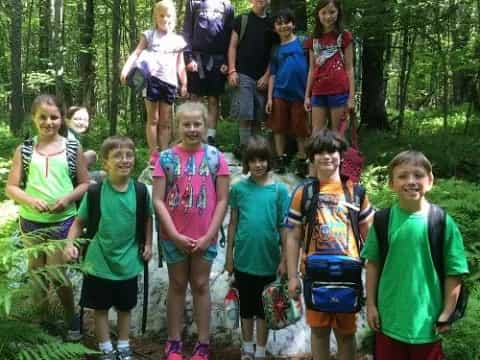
[
  {"x": 115, "y": 79},
  {"x": 44, "y": 36},
  {"x": 85, "y": 58},
  {"x": 57, "y": 55},
  {"x": 133, "y": 38},
  {"x": 16, "y": 99}
]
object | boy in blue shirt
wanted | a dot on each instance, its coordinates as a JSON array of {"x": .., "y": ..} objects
[{"x": 405, "y": 301}]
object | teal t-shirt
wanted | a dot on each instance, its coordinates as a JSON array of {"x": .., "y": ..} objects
[
  {"x": 409, "y": 297},
  {"x": 261, "y": 211},
  {"x": 113, "y": 252}
]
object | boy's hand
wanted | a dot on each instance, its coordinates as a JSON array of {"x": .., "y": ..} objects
[
  {"x": 39, "y": 205},
  {"x": 268, "y": 107},
  {"x": 59, "y": 205},
  {"x": 70, "y": 252},
  {"x": 233, "y": 79},
  {"x": 192, "y": 66},
  {"x": 147, "y": 252},
  {"x": 224, "y": 69},
  {"x": 307, "y": 104},
  {"x": 123, "y": 78},
  {"x": 184, "y": 243},
  {"x": 373, "y": 317},
  {"x": 442, "y": 324},
  {"x": 262, "y": 83},
  {"x": 293, "y": 287}
]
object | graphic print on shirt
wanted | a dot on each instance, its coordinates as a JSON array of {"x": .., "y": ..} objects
[
  {"x": 331, "y": 226},
  {"x": 204, "y": 172},
  {"x": 173, "y": 198},
  {"x": 189, "y": 171},
  {"x": 324, "y": 52}
]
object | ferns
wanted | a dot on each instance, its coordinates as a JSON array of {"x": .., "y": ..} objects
[{"x": 55, "y": 351}]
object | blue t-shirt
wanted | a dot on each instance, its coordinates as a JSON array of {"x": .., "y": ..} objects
[
  {"x": 261, "y": 210},
  {"x": 289, "y": 65}
]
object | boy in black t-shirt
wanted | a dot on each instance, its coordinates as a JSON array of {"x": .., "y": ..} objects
[{"x": 248, "y": 70}]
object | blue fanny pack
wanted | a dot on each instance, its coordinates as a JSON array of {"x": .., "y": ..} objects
[{"x": 333, "y": 283}]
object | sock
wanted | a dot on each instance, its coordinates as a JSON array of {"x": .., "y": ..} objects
[
  {"x": 245, "y": 134},
  {"x": 106, "y": 346},
  {"x": 123, "y": 344},
  {"x": 247, "y": 346},
  {"x": 260, "y": 351},
  {"x": 211, "y": 133}
]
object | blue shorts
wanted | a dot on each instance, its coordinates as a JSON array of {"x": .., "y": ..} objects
[
  {"x": 158, "y": 90},
  {"x": 172, "y": 255},
  {"x": 330, "y": 101}
]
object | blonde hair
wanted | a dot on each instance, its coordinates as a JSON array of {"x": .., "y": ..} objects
[
  {"x": 192, "y": 107},
  {"x": 166, "y": 5}
]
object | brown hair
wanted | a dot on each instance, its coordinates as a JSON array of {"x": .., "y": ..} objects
[
  {"x": 411, "y": 157},
  {"x": 325, "y": 140},
  {"x": 318, "y": 28},
  {"x": 51, "y": 100},
  {"x": 257, "y": 148},
  {"x": 115, "y": 142}
]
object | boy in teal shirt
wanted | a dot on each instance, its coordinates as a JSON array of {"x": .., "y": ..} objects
[
  {"x": 114, "y": 259},
  {"x": 405, "y": 303}
]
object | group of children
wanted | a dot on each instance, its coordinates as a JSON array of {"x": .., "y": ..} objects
[{"x": 191, "y": 193}]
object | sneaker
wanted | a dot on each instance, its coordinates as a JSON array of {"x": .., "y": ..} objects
[
  {"x": 73, "y": 333},
  {"x": 280, "y": 164},
  {"x": 200, "y": 351},
  {"x": 153, "y": 159},
  {"x": 125, "y": 354},
  {"x": 112, "y": 355},
  {"x": 174, "y": 350},
  {"x": 301, "y": 167}
]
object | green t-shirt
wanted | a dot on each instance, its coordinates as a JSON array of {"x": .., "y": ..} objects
[
  {"x": 113, "y": 252},
  {"x": 261, "y": 211},
  {"x": 409, "y": 297}
]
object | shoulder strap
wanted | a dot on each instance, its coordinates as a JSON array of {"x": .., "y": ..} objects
[
  {"x": 381, "y": 219},
  {"x": 94, "y": 210},
  {"x": 26, "y": 152},
  {"x": 436, "y": 238},
  {"x": 213, "y": 161},
  {"x": 141, "y": 200},
  {"x": 168, "y": 170},
  {"x": 72, "y": 147},
  {"x": 243, "y": 27},
  {"x": 358, "y": 196},
  {"x": 309, "y": 206},
  {"x": 339, "y": 45}
]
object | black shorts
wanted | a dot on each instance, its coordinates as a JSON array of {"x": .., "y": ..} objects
[
  {"x": 158, "y": 90},
  {"x": 213, "y": 82},
  {"x": 250, "y": 289},
  {"x": 102, "y": 294}
]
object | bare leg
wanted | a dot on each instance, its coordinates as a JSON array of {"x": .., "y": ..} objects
[
  {"x": 262, "y": 332},
  {"x": 247, "y": 330},
  {"x": 101, "y": 325},
  {"x": 123, "y": 325},
  {"x": 301, "y": 148},
  {"x": 336, "y": 115},
  {"x": 178, "y": 279},
  {"x": 64, "y": 290},
  {"x": 151, "y": 128},
  {"x": 320, "y": 339},
  {"x": 200, "y": 284},
  {"x": 213, "y": 112},
  {"x": 164, "y": 125},
  {"x": 346, "y": 346},
  {"x": 319, "y": 118},
  {"x": 279, "y": 140}
]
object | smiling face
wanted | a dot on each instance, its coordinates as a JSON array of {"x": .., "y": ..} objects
[
  {"x": 163, "y": 19},
  {"x": 411, "y": 182},
  {"x": 258, "y": 168},
  {"x": 119, "y": 162},
  {"x": 327, "y": 165},
  {"x": 284, "y": 29},
  {"x": 191, "y": 129},
  {"x": 79, "y": 121},
  {"x": 328, "y": 16},
  {"x": 48, "y": 120}
]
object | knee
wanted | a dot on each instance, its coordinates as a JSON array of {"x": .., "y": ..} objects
[
  {"x": 320, "y": 333},
  {"x": 177, "y": 287},
  {"x": 345, "y": 340},
  {"x": 164, "y": 122},
  {"x": 200, "y": 287},
  {"x": 153, "y": 118}
]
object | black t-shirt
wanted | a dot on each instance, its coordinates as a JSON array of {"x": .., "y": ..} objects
[{"x": 253, "y": 53}]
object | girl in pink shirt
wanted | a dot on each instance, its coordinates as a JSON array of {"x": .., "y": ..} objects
[{"x": 190, "y": 190}]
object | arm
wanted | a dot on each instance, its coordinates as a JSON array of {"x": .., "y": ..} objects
[
  {"x": 350, "y": 74},
  {"x": 71, "y": 251},
  {"x": 232, "y": 60},
  {"x": 188, "y": 35},
  {"x": 147, "y": 249},
  {"x": 451, "y": 292},
  {"x": 83, "y": 180},
  {"x": 182, "y": 74},
  {"x": 293, "y": 236},
  {"x": 232, "y": 229},
  {"x": 271, "y": 82},
  {"x": 218, "y": 215},
  {"x": 372, "y": 285},
  {"x": 262, "y": 83},
  {"x": 13, "y": 189},
  {"x": 142, "y": 45},
  {"x": 185, "y": 243},
  {"x": 308, "y": 88}
]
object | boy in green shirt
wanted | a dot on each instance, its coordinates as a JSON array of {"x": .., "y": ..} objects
[
  {"x": 405, "y": 303},
  {"x": 114, "y": 258}
]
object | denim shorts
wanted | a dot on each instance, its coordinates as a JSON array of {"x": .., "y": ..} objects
[
  {"x": 172, "y": 255},
  {"x": 248, "y": 103},
  {"x": 158, "y": 90},
  {"x": 330, "y": 101}
]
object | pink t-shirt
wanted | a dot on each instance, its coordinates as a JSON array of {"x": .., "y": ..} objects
[{"x": 191, "y": 200}]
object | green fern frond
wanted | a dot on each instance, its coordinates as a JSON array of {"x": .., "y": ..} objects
[{"x": 55, "y": 351}]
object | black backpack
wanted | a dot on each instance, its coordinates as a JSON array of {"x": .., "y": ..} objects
[
  {"x": 436, "y": 236},
  {"x": 94, "y": 215}
]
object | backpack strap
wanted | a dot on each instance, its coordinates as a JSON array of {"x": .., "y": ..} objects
[
  {"x": 94, "y": 210},
  {"x": 243, "y": 27},
  {"x": 436, "y": 238},
  {"x": 308, "y": 207},
  {"x": 72, "y": 147},
  {"x": 339, "y": 46},
  {"x": 358, "y": 197},
  {"x": 26, "y": 151},
  {"x": 213, "y": 161},
  {"x": 381, "y": 220}
]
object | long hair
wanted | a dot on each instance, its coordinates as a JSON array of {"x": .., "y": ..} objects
[{"x": 318, "y": 28}]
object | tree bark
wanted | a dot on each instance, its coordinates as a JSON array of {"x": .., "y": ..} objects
[
  {"x": 85, "y": 58},
  {"x": 44, "y": 36},
  {"x": 16, "y": 99},
  {"x": 115, "y": 79},
  {"x": 57, "y": 55}
]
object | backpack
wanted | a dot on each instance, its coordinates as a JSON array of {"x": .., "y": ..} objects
[
  {"x": 436, "y": 237},
  {"x": 94, "y": 214},
  {"x": 197, "y": 8},
  {"x": 26, "y": 151},
  {"x": 332, "y": 283}
]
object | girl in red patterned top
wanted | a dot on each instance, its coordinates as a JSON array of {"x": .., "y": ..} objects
[{"x": 330, "y": 84}]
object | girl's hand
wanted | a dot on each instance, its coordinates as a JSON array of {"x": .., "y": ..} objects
[
  {"x": 373, "y": 318},
  {"x": 202, "y": 244},
  {"x": 307, "y": 104},
  {"x": 268, "y": 107},
  {"x": 39, "y": 205},
  {"x": 147, "y": 252},
  {"x": 70, "y": 252},
  {"x": 351, "y": 103},
  {"x": 59, "y": 205},
  {"x": 184, "y": 243},
  {"x": 293, "y": 288},
  {"x": 233, "y": 79},
  {"x": 224, "y": 69}
]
